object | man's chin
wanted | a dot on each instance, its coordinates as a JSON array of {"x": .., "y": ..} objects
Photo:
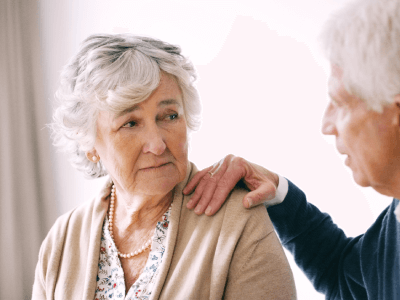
[{"x": 360, "y": 180}]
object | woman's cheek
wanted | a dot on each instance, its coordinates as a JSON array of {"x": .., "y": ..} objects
[{"x": 183, "y": 145}]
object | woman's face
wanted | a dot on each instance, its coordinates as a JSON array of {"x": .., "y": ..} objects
[{"x": 145, "y": 148}]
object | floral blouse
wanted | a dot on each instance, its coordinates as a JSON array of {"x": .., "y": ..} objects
[{"x": 110, "y": 275}]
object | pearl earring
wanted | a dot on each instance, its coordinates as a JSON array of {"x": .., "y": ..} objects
[{"x": 94, "y": 158}]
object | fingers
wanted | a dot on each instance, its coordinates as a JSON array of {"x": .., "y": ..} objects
[
  {"x": 206, "y": 187},
  {"x": 218, "y": 187},
  {"x": 221, "y": 192},
  {"x": 195, "y": 180},
  {"x": 195, "y": 198}
]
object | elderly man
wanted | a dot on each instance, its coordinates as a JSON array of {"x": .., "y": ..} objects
[{"x": 362, "y": 43}]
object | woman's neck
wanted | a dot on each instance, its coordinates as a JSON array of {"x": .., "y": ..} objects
[{"x": 139, "y": 211}]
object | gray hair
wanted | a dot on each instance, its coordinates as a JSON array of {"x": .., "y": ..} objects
[
  {"x": 363, "y": 39},
  {"x": 114, "y": 72}
]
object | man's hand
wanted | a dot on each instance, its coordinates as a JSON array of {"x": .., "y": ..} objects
[{"x": 213, "y": 184}]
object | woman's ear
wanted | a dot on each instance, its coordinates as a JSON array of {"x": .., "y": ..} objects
[{"x": 93, "y": 156}]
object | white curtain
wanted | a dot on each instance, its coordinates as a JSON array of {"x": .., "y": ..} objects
[{"x": 27, "y": 205}]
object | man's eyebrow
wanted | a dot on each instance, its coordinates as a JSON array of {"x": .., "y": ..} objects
[{"x": 333, "y": 99}]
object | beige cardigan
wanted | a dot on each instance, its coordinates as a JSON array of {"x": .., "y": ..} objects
[{"x": 232, "y": 255}]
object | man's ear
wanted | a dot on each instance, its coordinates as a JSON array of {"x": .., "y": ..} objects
[{"x": 92, "y": 156}]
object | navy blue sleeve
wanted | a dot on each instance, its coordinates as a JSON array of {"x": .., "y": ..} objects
[{"x": 319, "y": 247}]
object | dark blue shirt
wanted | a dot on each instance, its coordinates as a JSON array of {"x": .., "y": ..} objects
[{"x": 364, "y": 267}]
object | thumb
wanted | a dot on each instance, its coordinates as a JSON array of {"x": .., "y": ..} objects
[{"x": 262, "y": 194}]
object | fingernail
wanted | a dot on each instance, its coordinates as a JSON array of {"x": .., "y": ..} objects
[
  {"x": 208, "y": 210},
  {"x": 189, "y": 203},
  {"x": 249, "y": 202},
  {"x": 197, "y": 210}
]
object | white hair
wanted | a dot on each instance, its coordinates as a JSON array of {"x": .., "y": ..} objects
[
  {"x": 114, "y": 72},
  {"x": 363, "y": 39}
]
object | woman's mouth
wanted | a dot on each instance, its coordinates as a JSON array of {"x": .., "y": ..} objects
[{"x": 154, "y": 168}]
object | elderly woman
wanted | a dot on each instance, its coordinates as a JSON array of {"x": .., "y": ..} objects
[{"x": 127, "y": 105}]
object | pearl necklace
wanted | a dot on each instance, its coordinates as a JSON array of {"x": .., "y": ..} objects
[{"x": 110, "y": 228}]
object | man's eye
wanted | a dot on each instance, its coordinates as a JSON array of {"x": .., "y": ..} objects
[
  {"x": 334, "y": 102},
  {"x": 129, "y": 124}
]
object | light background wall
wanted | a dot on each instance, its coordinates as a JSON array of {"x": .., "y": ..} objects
[{"x": 262, "y": 81}]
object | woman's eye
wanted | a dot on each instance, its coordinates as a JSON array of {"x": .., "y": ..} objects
[
  {"x": 129, "y": 124},
  {"x": 172, "y": 116}
]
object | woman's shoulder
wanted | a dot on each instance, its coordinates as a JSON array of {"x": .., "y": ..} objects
[
  {"x": 71, "y": 235},
  {"x": 259, "y": 268},
  {"x": 75, "y": 223},
  {"x": 84, "y": 213},
  {"x": 232, "y": 219},
  {"x": 79, "y": 214},
  {"x": 233, "y": 215},
  {"x": 70, "y": 238},
  {"x": 234, "y": 199},
  {"x": 256, "y": 218}
]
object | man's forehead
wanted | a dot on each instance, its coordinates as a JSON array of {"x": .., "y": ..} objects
[
  {"x": 336, "y": 71},
  {"x": 335, "y": 84}
]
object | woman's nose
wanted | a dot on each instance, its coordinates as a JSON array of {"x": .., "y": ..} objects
[
  {"x": 153, "y": 141},
  {"x": 328, "y": 121}
]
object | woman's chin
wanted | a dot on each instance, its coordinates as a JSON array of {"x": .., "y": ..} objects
[
  {"x": 158, "y": 180},
  {"x": 157, "y": 185}
]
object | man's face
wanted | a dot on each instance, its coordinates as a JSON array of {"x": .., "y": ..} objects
[{"x": 368, "y": 138}]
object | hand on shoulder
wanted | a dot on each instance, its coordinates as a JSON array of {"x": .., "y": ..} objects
[{"x": 212, "y": 185}]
